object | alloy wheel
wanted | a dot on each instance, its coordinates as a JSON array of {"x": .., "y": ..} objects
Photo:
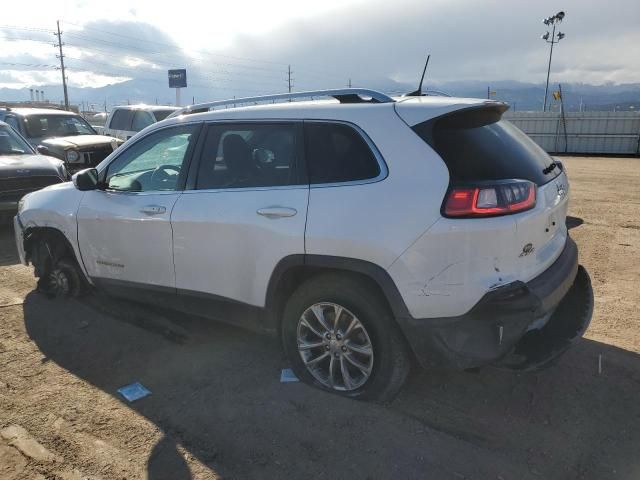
[{"x": 335, "y": 346}]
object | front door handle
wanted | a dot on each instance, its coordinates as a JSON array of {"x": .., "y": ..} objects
[
  {"x": 153, "y": 209},
  {"x": 277, "y": 212}
]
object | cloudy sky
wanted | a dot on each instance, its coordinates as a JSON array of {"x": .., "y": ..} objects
[{"x": 249, "y": 44}]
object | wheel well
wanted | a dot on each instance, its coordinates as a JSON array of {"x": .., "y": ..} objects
[
  {"x": 295, "y": 276},
  {"x": 54, "y": 246}
]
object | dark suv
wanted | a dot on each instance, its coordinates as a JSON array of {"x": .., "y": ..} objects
[
  {"x": 61, "y": 134},
  {"x": 23, "y": 171}
]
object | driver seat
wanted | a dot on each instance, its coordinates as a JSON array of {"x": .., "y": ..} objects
[{"x": 243, "y": 172}]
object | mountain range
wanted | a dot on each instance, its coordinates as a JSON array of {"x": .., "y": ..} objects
[{"x": 521, "y": 96}]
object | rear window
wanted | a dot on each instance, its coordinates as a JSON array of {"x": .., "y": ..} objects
[
  {"x": 477, "y": 145},
  {"x": 141, "y": 120},
  {"x": 162, "y": 114},
  {"x": 121, "y": 120}
]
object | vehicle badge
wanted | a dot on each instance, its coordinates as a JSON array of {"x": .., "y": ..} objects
[{"x": 527, "y": 249}]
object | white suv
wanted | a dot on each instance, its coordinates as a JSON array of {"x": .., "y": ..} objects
[
  {"x": 367, "y": 231},
  {"x": 125, "y": 121}
]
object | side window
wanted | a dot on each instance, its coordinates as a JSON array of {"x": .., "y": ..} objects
[
  {"x": 153, "y": 163},
  {"x": 121, "y": 120},
  {"x": 337, "y": 153},
  {"x": 13, "y": 121},
  {"x": 141, "y": 120},
  {"x": 249, "y": 155}
]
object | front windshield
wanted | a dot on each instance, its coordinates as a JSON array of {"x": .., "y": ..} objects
[
  {"x": 11, "y": 143},
  {"x": 57, "y": 126}
]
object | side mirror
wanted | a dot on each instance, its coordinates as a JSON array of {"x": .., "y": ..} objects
[
  {"x": 86, "y": 179},
  {"x": 42, "y": 150}
]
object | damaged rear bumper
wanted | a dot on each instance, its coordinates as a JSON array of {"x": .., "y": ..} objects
[{"x": 520, "y": 325}]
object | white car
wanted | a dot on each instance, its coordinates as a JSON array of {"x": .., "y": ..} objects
[
  {"x": 367, "y": 231},
  {"x": 125, "y": 121}
]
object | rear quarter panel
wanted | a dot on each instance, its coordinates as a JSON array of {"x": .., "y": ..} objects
[
  {"x": 453, "y": 265},
  {"x": 376, "y": 222}
]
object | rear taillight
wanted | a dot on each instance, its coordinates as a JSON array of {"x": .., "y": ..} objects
[{"x": 490, "y": 199}]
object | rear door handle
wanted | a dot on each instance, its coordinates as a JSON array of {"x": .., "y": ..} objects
[
  {"x": 277, "y": 212},
  {"x": 153, "y": 209}
]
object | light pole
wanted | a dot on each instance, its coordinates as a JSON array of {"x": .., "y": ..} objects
[{"x": 555, "y": 38}]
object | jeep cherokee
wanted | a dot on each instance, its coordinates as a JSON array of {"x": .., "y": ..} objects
[{"x": 368, "y": 231}]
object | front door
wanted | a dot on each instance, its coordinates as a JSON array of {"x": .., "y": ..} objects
[
  {"x": 244, "y": 210},
  {"x": 124, "y": 230}
]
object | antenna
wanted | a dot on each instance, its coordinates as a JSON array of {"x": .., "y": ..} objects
[{"x": 418, "y": 92}]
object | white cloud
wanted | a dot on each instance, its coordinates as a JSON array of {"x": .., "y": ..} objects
[{"x": 229, "y": 44}]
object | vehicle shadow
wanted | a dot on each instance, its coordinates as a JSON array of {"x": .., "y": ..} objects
[
  {"x": 8, "y": 252},
  {"x": 216, "y": 394},
  {"x": 573, "y": 222}
]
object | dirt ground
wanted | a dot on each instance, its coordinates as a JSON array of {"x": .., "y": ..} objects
[{"x": 218, "y": 409}]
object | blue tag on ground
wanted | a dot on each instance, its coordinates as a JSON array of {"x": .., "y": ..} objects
[
  {"x": 287, "y": 376},
  {"x": 134, "y": 392}
]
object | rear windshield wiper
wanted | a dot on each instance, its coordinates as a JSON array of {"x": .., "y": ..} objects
[{"x": 551, "y": 167}]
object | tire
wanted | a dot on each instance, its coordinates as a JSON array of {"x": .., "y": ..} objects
[
  {"x": 378, "y": 376},
  {"x": 64, "y": 280}
]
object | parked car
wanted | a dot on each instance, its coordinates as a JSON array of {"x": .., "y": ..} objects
[
  {"x": 125, "y": 121},
  {"x": 367, "y": 232},
  {"x": 97, "y": 120},
  {"x": 23, "y": 171},
  {"x": 61, "y": 134}
]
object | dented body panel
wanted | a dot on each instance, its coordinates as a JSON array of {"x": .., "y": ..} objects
[
  {"x": 456, "y": 262},
  {"x": 54, "y": 207}
]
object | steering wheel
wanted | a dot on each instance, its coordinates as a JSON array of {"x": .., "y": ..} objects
[{"x": 160, "y": 177}]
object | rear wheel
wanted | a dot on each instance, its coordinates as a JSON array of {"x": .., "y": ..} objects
[{"x": 339, "y": 336}]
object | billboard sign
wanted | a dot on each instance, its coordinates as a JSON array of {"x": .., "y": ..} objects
[{"x": 178, "y": 78}]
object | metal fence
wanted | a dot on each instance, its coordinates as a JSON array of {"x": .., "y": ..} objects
[{"x": 582, "y": 132}]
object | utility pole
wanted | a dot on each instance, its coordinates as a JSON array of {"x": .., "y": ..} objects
[
  {"x": 349, "y": 83},
  {"x": 61, "y": 57},
  {"x": 289, "y": 79},
  {"x": 557, "y": 18}
]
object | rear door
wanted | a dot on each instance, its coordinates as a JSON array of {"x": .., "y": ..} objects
[{"x": 244, "y": 210}]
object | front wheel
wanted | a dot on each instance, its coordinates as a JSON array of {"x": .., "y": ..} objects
[{"x": 339, "y": 336}]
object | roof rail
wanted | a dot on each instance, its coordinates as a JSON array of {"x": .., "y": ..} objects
[{"x": 343, "y": 95}]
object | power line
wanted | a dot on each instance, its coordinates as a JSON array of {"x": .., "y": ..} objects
[
  {"x": 29, "y": 29},
  {"x": 305, "y": 72},
  {"x": 138, "y": 39},
  {"x": 230, "y": 70},
  {"x": 137, "y": 52},
  {"x": 33, "y": 65}
]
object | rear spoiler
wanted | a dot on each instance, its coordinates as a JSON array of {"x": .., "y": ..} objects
[
  {"x": 470, "y": 117},
  {"x": 418, "y": 110}
]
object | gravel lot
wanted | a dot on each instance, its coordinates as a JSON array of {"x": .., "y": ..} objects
[{"x": 218, "y": 409}]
